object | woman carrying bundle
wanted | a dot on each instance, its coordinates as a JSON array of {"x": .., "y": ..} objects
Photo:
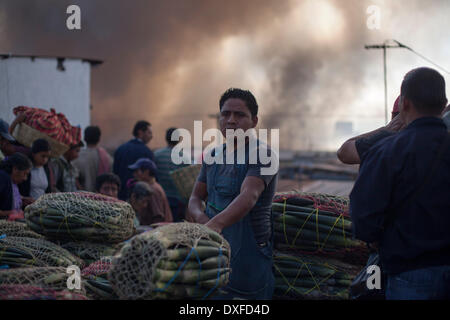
[
  {"x": 13, "y": 171},
  {"x": 40, "y": 179}
]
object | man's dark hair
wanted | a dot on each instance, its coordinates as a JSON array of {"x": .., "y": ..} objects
[
  {"x": 244, "y": 95},
  {"x": 106, "y": 178},
  {"x": 18, "y": 161},
  {"x": 425, "y": 88},
  {"x": 141, "y": 190},
  {"x": 169, "y": 135},
  {"x": 140, "y": 126},
  {"x": 92, "y": 135},
  {"x": 40, "y": 145}
]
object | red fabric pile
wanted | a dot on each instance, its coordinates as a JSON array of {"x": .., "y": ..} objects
[{"x": 53, "y": 124}]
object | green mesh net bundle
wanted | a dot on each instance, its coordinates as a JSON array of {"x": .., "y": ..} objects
[
  {"x": 18, "y": 252},
  {"x": 82, "y": 216},
  {"x": 174, "y": 261},
  {"x": 17, "y": 229},
  {"x": 317, "y": 224},
  {"x": 48, "y": 278},
  {"x": 90, "y": 252},
  {"x": 95, "y": 279},
  {"x": 299, "y": 277}
]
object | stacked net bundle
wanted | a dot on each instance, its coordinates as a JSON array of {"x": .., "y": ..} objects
[
  {"x": 316, "y": 224},
  {"x": 29, "y": 292},
  {"x": 81, "y": 216},
  {"x": 50, "y": 278},
  {"x": 90, "y": 252},
  {"x": 95, "y": 279},
  {"x": 175, "y": 261},
  {"x": 299, "y": 277},
  {"x": 17, "y": 229},
  {"x": 18, "y": 252},
  {"x": 313, "y": 233},
  {"x": 325, "y": 202}
]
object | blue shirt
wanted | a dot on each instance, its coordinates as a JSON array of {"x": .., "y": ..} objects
[
  {"x": 392, "y": 170},
  {"x": 127, "y": 154}
]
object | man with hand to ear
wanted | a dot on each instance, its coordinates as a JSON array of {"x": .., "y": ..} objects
[{"x": 354, "y": 149}]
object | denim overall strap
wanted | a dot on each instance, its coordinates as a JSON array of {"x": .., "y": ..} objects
[{"x": 251, "y": 276}]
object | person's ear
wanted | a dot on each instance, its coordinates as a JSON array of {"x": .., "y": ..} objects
[
  {"x": 407, "y": 105},
  {"x": 255, "y": 121}
]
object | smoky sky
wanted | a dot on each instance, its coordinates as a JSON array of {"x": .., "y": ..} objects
[{"x": 168, "y": 62}]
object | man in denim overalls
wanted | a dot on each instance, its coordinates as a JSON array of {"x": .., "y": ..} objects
[{"x": 238, "y": 204}]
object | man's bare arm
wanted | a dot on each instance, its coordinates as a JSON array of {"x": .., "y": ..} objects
[
  {"x": 195, "y": 207},
  {"x": 348, "y": 153},
  {"x": 251, "y": 190}
]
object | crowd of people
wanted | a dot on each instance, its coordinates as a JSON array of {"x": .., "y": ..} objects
[
  {"x": 130, "y": 175},
  {"x": 399, "y": 204}
]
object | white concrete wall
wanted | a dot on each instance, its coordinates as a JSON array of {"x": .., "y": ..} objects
[{"x": 38, "y": 83}]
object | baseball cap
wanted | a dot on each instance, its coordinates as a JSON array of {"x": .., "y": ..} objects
[
  {"x": 4, "y": 126},
  {"x": 144, "y": 163}
]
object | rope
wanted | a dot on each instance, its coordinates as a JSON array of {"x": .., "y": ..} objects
[
  {"x": 217, "y": 279},
  {"x": 317, "y": 283},
  {"x": 179, "y": 269}
]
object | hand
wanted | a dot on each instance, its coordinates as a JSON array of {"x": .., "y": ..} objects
[
  {"x": 396, "y": 124},
  {"x": 196, "y": 217},
  {"x": 27, "y": 201},
  {"x": 214, "y": 226}
]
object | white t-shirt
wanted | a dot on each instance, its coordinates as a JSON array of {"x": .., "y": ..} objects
[{"x": 39, "y": 182}]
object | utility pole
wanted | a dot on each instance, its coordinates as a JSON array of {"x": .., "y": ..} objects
[{"x": 384, "y": 46}]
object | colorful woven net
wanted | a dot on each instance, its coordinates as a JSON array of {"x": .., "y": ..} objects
[
  {"x": 311, "y": 277},
  {"x": 17, "y": 229},
  {"x": 318, "y": 224},
  {"x": 317, "y": 257},
  {"x": 90, "y": 252},
  {"x": 29, "y": 252},
  {"x": 331, "y": 203},
  {"x": 95, "y": 279},
  {"x": 48, "y": 278},
  {"x": 175, "y": 261},
  {"x": 81, "y": 216}
]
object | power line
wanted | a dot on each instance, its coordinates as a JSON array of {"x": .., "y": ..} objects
[{"x": 422, "y": 56}]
